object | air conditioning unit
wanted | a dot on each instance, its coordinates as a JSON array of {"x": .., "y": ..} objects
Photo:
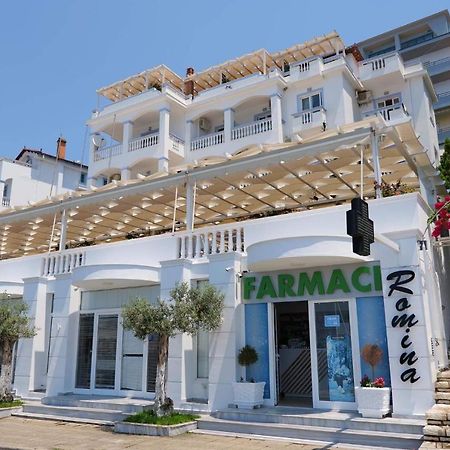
[
  {"x": 364, "y": 97},
  {"x": 204, "y": 124}
]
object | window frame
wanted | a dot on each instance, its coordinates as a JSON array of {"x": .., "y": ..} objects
[{"x": 309, "y": 95}]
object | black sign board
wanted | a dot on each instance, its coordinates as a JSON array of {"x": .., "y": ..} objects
[{"x": 360, "y": 227}]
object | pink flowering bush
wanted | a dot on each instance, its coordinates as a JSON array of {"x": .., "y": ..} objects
[
  {"x": 441, "y": 217},
  {"x": 377, "y": 383}
]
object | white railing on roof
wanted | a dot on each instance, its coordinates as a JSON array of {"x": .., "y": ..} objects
[
  {"x": 142, "y": 142},
  {"x": 107, "y": 152},
  {"x": 438, "y": 62},
  {"x": 6, "y": 201},
  {"x": 207, "y": 141},
  {"x": 389, "y": 112},
  {"x": 202, "y": 243},
  {"x": 62, "y": 262},
  {"x": 249, "y": 129}
]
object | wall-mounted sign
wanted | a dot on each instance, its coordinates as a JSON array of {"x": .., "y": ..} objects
[
  {"x": 360, "y": 227},
  {"x": 349, "y": 279},
  {"x": 332, "y": 321}
]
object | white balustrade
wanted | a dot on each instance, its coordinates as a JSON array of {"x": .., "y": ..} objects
[
  {"x": 107, "y": 152},
  {"x": 389, "y": 113},
  {"x": 143, "y": 142},
  {"x": 207, "y": 141},
  {"x": 62, "y": 262},
  {"x": 249, "y": 129},
  {"x": 201, "y": 243},
  {"x": 308, "y": 119},
  {"x": 177, "y": 143},
  {"x": 6, "y": 201}
]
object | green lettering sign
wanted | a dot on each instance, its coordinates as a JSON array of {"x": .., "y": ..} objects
[
  {"x": 337, "y": 281},
  {"x": 356, "y": 281},
  {"x": 285, "y": 283},
  {"x": 249, "y": 286},
  {"x": 266, "y": 288},
  {"x": 311, "y": 285}
]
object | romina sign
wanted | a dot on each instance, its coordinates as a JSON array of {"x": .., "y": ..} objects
[{"x": 333, "y": 282}]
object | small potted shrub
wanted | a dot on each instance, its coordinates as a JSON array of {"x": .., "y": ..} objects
[
  {"x": 248, "y": 394},
  {"x": 373, "y": 397}
]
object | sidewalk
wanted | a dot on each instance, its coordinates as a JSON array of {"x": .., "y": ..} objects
[{"x": 18, "y": 433}]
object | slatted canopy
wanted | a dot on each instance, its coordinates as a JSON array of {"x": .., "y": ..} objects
[{"x": 262, "y": 180}]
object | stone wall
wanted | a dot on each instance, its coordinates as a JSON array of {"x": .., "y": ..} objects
[{"x": 437, "y": 430}]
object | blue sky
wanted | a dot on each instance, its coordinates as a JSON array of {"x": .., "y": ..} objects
[{"x": 56, "y": 53}]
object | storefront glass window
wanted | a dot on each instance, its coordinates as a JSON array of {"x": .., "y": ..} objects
[{"x": 334, "y": 352}]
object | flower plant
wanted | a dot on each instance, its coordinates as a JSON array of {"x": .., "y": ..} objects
[
  {"x": 440, "y": 218},
  {"x": 376, "y": 383}
]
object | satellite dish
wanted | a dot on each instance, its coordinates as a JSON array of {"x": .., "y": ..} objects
[{"x": 97, "y": 140}]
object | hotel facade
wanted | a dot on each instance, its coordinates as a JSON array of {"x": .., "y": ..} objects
[{"x": 241, "y": 175}]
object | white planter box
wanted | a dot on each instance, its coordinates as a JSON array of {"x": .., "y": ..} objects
[
  {"x": 248, "y": 395},
  {"x": 154, "y": 430},
  {"x": 373, "y": 402}
]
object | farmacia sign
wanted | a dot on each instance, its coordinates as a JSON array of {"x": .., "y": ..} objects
[{"x": 317, "y": 283}]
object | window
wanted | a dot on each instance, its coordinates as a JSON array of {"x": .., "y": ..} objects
[
  {"x": 263, "y": 115},
  {"x": 83, "y": 178},
  {"x": 388, "y": 101},
  {"x": 219, "y": 128},
  {"x": 310, "y": 102}
]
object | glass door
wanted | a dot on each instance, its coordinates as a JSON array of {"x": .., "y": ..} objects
[
  {"x": 334, "y": 353},
  {"x": 105, "y": 366},
  {"x": 132, "y": 360}
]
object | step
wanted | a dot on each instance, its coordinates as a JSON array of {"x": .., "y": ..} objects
[
  {"x": 105, "y": 415},
  {"x": 315, "y": 433},
  {"x": 126, "y": 405},
  {"x": 28, "y": 415},
  {"x": 194, "y": 407},
  {"x": 33, "y": 395},
  {"x": 333, "y": 419}
]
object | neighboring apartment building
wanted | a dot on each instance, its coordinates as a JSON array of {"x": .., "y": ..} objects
[
  {"x": 189, "y": 179},
  {"x": 427, "y": 41},
  {"x": 35, "y": 176}
]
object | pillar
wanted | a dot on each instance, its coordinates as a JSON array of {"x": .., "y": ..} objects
[
  {"x": 164, "y": 139},
  {"x": 224, "y": 343},
  {"x": 228, "y": 124},
  {"x": 127, "y": 135},
  {"x": 91, "y": 182},
  {"x": 189, "y": 135},
  {"x": 125, "y": 174},
  {"x": 64, "y": 337},
  {"x": 277, "y": 119},
  {"x": 190, "y": 205},
  {"x": 180, "y": 346},
  {"x": 63, "y": 234},
  {"x": 31, "y": 358},
  {"x": 374, "y": 144}
]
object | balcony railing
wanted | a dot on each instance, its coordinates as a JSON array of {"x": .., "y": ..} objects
[
  {"x": 143, "y": 142},
  {"x": 107, "y": 152},
  {"x": 443, "y": 100},
  {"x": 249, "y": 129},
  {"x": 308, "y": 119},
  {"x": 62, "y": 262},
  {"x": 381, "y": 65},
  {"x": 443, "y": 134},
  {"x": 202, "y": 243},
  {"x": 177, "y": 143},
  {"x": 438, "y": 66},
  {"x": 389, "y": 113},
  {"x": 207, "y": 141},
  {"x": 6, "y": 201}
]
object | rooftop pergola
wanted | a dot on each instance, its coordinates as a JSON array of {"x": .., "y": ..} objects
[
  {"x": 292, "y": 176},
  {"x": 259, "y": 61}
]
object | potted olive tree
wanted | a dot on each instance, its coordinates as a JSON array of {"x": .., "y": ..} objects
[
  {"x": 248, "y": 394},
  {"x": 373, "y": 397}
]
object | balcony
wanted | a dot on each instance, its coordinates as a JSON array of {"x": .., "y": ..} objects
[
  {"x": 143, "y": 142},
  {"x": 438, "y": 70},
  {"x": 250, "y": 129},
  {"x": 443, "y": 134},
  {"x": 208, "y": 140},
  {"x": 6, "y": 201},
  {"x": 107, "y": 152},
  {"x": 390, "y": 114},
  {"x": 306, "y": 69},
  {"x": 381, "y": 66},
  {"x": 306, "y": 122},
  {"x": 443, "y": 101}
]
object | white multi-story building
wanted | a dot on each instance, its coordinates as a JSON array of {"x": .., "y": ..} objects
[
  {"x": 190, "y": 177},
  {"x": 35, "y": 176}
]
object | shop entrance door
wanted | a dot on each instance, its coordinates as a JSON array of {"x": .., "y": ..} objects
[
  {"x": 334, "y": 353},
  {"x": 294, "y": 384}
]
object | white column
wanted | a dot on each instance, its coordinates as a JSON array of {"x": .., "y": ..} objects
[
  {"x": 188, "y": 136},
  {"x": 277, "y": 120},
  {"x": 63, "y": 235},
  {"x": 397, "y": 42},
  {"x": 228, "y": 124},
  {"x": 189, "y": 206},
  {"x": 376, "y": 162},
  {"x": 125, "y": 174},
  {"x": 164, "y": 139},
  {"x": 127, "y": 135},
  {"x": 91, "y": 182},
  {"x": 31, "y": 358}
]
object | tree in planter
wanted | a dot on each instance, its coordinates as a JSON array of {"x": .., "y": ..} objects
[
  {"x": 14, "y": 324},
  {"x": 187, "y": 311},
  {"x": 247, "y": 356}
]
